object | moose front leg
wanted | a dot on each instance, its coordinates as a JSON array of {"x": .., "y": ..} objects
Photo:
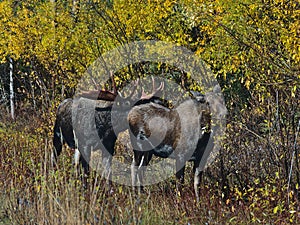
[
  {"x": 138, "y": 167},
  {"x": 134, "y": 166},
  {"x": 180, "y": 168}
]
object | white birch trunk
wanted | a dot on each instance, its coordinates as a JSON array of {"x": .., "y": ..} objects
[{"x": 11, "y": 89}]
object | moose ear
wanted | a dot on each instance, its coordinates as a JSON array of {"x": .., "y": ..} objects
[{"x": 198, "y": 96}]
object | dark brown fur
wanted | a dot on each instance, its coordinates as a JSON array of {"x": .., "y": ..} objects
[
  {"x": 181, "y": 133},
  {"x": 89, "y": 125}
]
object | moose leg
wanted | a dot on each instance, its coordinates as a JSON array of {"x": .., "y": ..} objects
[
  {"x": 85, "y": 157},
  {"x": 180, "y": 171},
  {"x": 137, "y": 157},
  {"x": 106, "y": 166},
  {"x": 197, "y": 179},
  {"x": 179, "y": 175},
  {"x": 142, "y": 168},
  {"x": 77, "y": 160},
  {"x": 107, "y": 154},
  {"x": 58, "y": 143},
  {"x": 138, "y": 166}
]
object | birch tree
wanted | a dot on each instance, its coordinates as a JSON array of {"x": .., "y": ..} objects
[{"x": 11, "y": 88}]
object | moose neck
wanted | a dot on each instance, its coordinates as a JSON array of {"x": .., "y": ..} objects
[{"x": 119, "y": 118}]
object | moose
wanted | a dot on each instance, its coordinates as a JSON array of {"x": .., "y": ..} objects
[
  {"x": 63, "y": 131},
  {"x": 181, "y": 133},
  {"x": 88, "y": 123}
]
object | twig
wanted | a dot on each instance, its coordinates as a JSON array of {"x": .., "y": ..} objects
[{"x": 292, "y": 162}]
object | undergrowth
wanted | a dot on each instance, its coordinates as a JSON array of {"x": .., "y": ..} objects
[{"x": 32, "y": 192}]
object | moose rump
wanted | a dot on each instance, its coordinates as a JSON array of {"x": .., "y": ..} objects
[{"x": 154, "y": 133}]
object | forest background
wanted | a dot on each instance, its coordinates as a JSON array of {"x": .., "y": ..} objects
[{"x": 253, "y": 48}]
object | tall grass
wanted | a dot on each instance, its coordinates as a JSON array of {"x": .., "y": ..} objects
[{"x": 32, "y": 192}]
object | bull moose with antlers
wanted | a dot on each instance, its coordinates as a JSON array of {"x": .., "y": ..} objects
[{"x": 86, "y": 122}]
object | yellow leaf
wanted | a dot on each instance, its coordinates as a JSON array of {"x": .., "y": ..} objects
[
  {"x": 275, "y": 210},
  {"x": 247, "y": 84}
]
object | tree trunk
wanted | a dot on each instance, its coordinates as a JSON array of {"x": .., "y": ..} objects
[{"x": 11, "y": 89}]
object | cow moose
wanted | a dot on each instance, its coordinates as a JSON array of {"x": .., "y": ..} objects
[
  {"x": 87, "y": 124},
  {"x": 181, "y": 133}
]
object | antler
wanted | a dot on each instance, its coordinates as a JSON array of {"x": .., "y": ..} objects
[
  {"x": 154, "y": 91},
  {"x": 102, "y": 94},
  {"x": 135, "y": 85},
  {"x": 111, "y": 95},
  {"x": 99, "y": 95}
]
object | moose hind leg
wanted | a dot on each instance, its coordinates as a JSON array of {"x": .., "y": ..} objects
[
  {"x": 85, "y": 160},
  {"x": 197, "y": 181},
  {"x": 57, "y": 143},
  {"x": 107, "y": 154},
  {"x": 77, "y": 161},
  {"x": 197, "y": 178},
  {"x": 106, "y": 167}
]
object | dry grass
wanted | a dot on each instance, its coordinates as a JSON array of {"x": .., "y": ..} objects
[{"x": 33, "y": 193}]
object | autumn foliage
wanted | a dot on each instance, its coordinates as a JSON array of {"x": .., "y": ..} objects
[{"x": 253, "y": 48}]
